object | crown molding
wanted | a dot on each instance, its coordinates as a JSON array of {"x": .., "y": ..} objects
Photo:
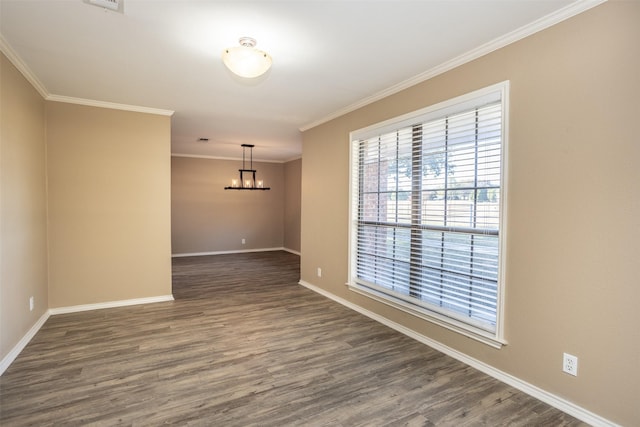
[
  {"x": 547, "y": 21},
  {"x": 111, "y": 105},
  {"x": 292, "y": 159},
  {"x": 13, "y": 57},
  {"x": 201, "y": 156}
]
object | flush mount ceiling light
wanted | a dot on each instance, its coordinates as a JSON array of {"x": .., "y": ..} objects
[
  {"x": 248, "y": 181},
  {"x": 245, "y": 60}
]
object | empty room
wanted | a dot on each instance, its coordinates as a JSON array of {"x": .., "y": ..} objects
[{"x": 319, "y": 213}]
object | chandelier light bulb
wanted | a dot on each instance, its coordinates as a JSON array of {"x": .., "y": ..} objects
[{"x": 247, "y": 176}]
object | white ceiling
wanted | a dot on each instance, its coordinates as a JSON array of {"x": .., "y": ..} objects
[{"x": 328, "y": 57}]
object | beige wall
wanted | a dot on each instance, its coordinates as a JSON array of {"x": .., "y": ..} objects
[
  {"x": 109, "y": 204},
  {"x": 207, "y": 218},
  {"x": 292, "y": 200},
  {"x": 572, "y": 282},
  {"x": 23, "y": 232}
]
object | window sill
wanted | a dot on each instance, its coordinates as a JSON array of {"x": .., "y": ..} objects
[{"x": 433, "y": 317}]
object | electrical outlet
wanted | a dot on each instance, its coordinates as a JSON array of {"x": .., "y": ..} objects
[
  {"x": 31, "y": 303},
  {"x": 244, "y": 241},
  {"x": 319, "y": 272},
  {"x": 570, "y": 364}
]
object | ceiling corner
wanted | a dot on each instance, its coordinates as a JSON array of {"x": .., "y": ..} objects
[{"x": 13, "y": 57}]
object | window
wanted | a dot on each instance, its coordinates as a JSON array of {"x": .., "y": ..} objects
[{"x": 427, "y": 212}]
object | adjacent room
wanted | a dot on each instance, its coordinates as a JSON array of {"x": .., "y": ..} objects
[{"x": 349, "y": 213}]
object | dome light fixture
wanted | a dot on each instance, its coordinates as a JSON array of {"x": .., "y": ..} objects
[{"x": 245, "y": 60}]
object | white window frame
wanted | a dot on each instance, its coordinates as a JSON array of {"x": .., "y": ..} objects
[{"x": 499, "y": 91}]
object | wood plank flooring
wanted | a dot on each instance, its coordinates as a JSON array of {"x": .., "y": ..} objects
[{"x": 245, "y": 345}]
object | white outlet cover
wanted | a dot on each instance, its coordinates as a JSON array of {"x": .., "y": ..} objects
[{"x": 570, "y": 364}]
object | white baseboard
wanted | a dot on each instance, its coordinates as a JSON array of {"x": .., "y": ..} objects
[
  {"x": 11, "y": 356},
  {"x": 109, "y": 304},
  {"x": 15, "y": 351},
  {"x": 530, "y": 389},
  {"x": 229, "y": 252},
  {"x": 235, "y": 252}
]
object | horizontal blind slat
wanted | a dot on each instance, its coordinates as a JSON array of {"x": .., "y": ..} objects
[{"x": 436, "y": 243}]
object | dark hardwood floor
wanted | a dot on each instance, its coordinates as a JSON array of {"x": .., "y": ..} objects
[{"x": 245, "y": 345}]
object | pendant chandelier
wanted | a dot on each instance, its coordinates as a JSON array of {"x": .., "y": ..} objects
[{"x": 247, "y": 176}]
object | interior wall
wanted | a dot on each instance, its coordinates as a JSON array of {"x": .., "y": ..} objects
[
  {"x": 23, "y": 221},
  {"x": 109, "y": 204},
  {"x": 573, "y": 206},
  {"x": 207, "y": 218},
  {"x": 293, "y": 193}
]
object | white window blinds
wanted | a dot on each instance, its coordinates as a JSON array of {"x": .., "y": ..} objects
[{"x": 426, "y": 212}]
